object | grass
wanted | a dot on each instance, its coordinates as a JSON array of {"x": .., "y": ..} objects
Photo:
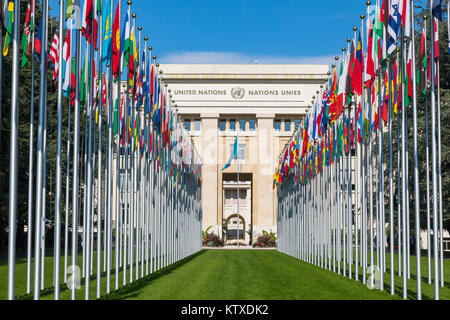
[
  {"x": 234, "y": 275},
  {"x": 248, "y": 275}
]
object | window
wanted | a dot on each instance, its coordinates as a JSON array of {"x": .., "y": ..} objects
[
  {"x": 287, "y": 125},
  {"x": 252, "y": 125},
  {"x": 123, "y": 176},
  {"x": 232, "y": 125},
  {"x": 296, "y": 124},
  {"x": 187, "y": 122},
  {"x": 241, "y": 151},
  {"x": 242, "y": 124},
  {"x": 197, "y": 125},
  {"x": 222, "y": 125},
  {"x": 277, "y": 125}
]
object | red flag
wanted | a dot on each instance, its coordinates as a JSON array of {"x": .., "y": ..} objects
[
  {"x": 370, "y": 68},
  {"x": 116, "y": 43}
]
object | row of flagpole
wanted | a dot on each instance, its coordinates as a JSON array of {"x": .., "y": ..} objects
[
  {"x": 330, "y": 215},
  {"x": 149, "y": 199}
]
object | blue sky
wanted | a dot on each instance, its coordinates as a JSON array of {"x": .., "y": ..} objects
[{"x": 235, "y": 31}]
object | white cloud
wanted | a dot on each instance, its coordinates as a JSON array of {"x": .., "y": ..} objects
[{"x": 210, "y": 57}]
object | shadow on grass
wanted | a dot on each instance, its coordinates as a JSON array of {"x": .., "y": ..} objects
[
  {"x": 131, "y": 290},
  {"x": 398, "y": 289},
  {"x": 119, "y": 294}
]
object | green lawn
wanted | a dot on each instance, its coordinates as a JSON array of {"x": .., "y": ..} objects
[{"x": 234, "y": 275}]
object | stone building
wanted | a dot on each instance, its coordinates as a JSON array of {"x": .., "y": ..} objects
[{"x": 259, "y": 104}]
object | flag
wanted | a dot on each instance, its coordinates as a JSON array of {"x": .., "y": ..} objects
[
  {"x": 406, "y": 18},
  {"x": 9, "y": 27},
  {"x": 26, "y": 38},
  {"x": 437, "y": 9},
  {"x": 126, "y": 44},
  {"x": 107, "y": 31},
  {"x": 67, "y": 62},
  {"x": 38, "y": 42},
  {"x": 384, "y": 19},
  {"x": 394, "y": 25},
  {"x": 358, "y": 67},
  {"x": 421, "y": 73},
  {"x": 89, "y": 22},
  {"x": 370, "y": 65},
  {"x": 436, "y": 39},
  {"x": 70, "y": 8},
  {"x": 233, "y": 155},
  {"x": 448, "y": 24},
  {"x": 348, "y": 84},
  {"x": 408, "y": 79},
  {"x": 116, "y": 44},
  {"x": 54, "y": 55}
]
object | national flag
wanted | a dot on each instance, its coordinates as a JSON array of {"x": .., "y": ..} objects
[
  {"x": 116, "y": 44},
  {"x": 421, "y": 73},
  {"x": 370, "y": 65},
  {"x": 70, "y": 8},
  {"x": 67, "y": 62},
  {"x": 394, "y": 25},
  {"x": 107, "y": 31},
  {"x": 38, "y": 42},
  {"x": 54, "y": 55},
  {"x": 436, "y": 39},
  {"x": 408, "y": 79},
  {"x": 126, "y": 44},
  {"x": 233, "y": 155},
  {"x": 437, "y": 9},
  {"x": 9, "y": 27},
  {"x": 358, "y": 68},
  {"x": 89, "y": 22},
  {"x": 406, "y": 18},
  {"x": 384, "y": 19},
  {"x": 27, "y": 29},
  {"x": 348, "y": 85}
]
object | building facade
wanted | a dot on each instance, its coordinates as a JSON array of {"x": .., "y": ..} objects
[{"x": 260, "y": 106}]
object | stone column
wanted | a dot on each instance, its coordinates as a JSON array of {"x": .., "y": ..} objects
[
  {"x": 264, "y": 215},
  {"x": 210, "y": 188}
]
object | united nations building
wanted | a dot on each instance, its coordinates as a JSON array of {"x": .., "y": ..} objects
[{"x": 260, "y": 105}]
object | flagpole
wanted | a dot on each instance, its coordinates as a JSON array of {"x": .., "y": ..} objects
[
  {"x": 58, "y": 158},
  {"x": 76, "y": 158},
  {"x": 40, "y": 160},
  {"x": 391, "y": 189},
  {"x": 434, "y": 160},
  {"x": 99, "y": 183},
  {"x": 416, "y": 162},
  {"x": 439, "y": 163},
  {"x": 14, "y": 154},
  {"x": 425, "y": 17},
  {"x": 31, "y": 164},
  {"x": 404, "y": 177}
]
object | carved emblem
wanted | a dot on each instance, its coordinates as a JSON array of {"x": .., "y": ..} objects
[{"x": 238, "y": 93}]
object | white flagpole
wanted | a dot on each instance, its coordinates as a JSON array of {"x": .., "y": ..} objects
[{"x": 13, "y": 154}]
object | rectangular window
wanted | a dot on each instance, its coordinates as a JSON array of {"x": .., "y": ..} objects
[
  {"x": 252, "y": 125},
  {"x": 241, "y": 151},
  {"x": 222, "y": 125},
  {"x": 287, "y": 125},
  {"x": 197, "y": 125},
  {"x": 277, "y": 125},
  {"x": 242, "y": 125},
  {"x": 232, "y": 125},
  {"x": 187, "y": 122},
  {"x": 296, "y": 124}
]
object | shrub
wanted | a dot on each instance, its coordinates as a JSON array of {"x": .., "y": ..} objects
[
  {"x": 212, "y": 240},
  {"x": 265, "y": 241}
]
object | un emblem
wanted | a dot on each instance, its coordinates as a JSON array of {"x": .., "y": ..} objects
[{"x": 238, "y": 93}]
